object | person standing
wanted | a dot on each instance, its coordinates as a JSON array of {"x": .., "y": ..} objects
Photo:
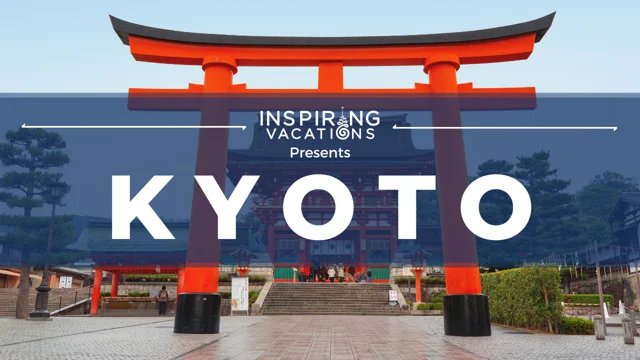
[
  {"x": 315, "y": 274},
  {"x": 331, "y": 273},
  {"x": 341, "y": 273},
  {"x": 162, "y": 298}
]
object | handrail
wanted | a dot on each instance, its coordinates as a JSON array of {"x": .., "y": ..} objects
[{"x": 90, "y": 287}]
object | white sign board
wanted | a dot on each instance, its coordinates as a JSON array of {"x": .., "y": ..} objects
[
  {"x": 393, "y": 296},
  {"x": 240, "y": 294},
  {"x": 65, "y": 282}
]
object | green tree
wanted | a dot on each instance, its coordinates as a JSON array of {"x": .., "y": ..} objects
[
  {"x": 599, "y": 196},
  {"x": 496, "y": 206},
  {"x": 32, "y": 152},
  {"x": 552, "y": 206}
]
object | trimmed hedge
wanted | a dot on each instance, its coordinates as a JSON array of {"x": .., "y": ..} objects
[
  {"x": 151, "y": 278},
  {"x": 576, "y": 326},
  {"x": 527, "y": 297},
  {"x": 252, "y": 295},
  {"x": 424, "y": 280},
  {"x": 131, "y": 294},
  {"x": 423, "y": 306},
  {"x": 252, "y": 279},
  {"x": 436, "y": 300},
  {"x": 587, "y": 299}
]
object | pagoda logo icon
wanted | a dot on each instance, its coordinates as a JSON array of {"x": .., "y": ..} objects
[
  {"x": 342, "y": 132},
  {"x": 319, "y": 124}
]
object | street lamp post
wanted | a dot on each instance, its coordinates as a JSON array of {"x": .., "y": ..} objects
[
  {"x": 418, "y": 259},
  {"x": 243, "y": 256},
  {"x": 41, "y": 311}
]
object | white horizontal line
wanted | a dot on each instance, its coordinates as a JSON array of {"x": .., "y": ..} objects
[
  {"x": 612, "y": 128},
  {"x": 25, "y": 126}
]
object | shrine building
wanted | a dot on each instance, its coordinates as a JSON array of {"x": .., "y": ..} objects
[{"x": 369, "y": 243}]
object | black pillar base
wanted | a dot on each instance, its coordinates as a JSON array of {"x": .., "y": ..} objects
[
  {"x": 42, "y": 303},
  {"x": 198, "y": 313},
  {"x": 39, "y": 315},
  {"x": 466, "y": 315}
]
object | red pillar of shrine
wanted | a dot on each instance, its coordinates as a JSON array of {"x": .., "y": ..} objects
[
  {"x": 180, "y": 284},
  {"x": 115, "y": 278},
  {"x": 199, "y": 306},
  {"x": 466, "y": 309},
  {"x": 95, "y": 293},
  {"x": 418, "y": 273},
  {"x": 361, "y": 249}
]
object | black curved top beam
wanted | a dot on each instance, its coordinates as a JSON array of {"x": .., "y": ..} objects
[{"x": 124, "y": 29}]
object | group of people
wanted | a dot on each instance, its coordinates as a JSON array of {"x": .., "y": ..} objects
[
  {"x": 336, "y": 270},
  {"x": 332, "y": 273}
]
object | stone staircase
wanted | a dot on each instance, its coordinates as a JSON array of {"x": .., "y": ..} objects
[
  {"x": 329, "y": 299},
  {"x": 58, "y": 298}
]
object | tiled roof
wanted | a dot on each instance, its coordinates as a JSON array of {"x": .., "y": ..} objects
[
  {"x": 631, "y": 197},
  {"x": 96, "y": 237},
  {"x": 626, "y": 199}
]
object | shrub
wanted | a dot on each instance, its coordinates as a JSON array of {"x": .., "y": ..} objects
[
  {"x": 138, "y": 293},
  {"x": 425, "y": 280},
  {"x": 526, "y": 297},
  {"x": 105, "y": 293},
  {"x": 436, "y": 300},
  {"x": 423, "y": 306},
  {"x": 587, "y": 298},
  {"x": 256, "y": 279},
  {"x": 576, "y": 326},
  {"x": 403, "y": 280},
  {"x": 409, "y": 302},
  {"x": 253, "y": 296},
  {"x": 151, "y": 278},
  {"x": 434, "y": 280}
]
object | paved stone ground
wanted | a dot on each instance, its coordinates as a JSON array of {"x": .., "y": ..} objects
[
  {"x": 505, "y": 343},
  {"x": 330, "y": 337},
  {"x": 286, "y": 337},
  {"x": 104, "y": 338},
  {"x": 290, "y": 337}
]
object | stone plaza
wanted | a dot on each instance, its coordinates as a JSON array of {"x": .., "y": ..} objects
[{"x": 291, "y": 337}]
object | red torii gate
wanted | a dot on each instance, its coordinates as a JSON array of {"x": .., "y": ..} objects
[{"x": 465, "y": 308}]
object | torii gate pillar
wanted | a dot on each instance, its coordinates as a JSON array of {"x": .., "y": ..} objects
[{"x": 466, "y": 309}]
